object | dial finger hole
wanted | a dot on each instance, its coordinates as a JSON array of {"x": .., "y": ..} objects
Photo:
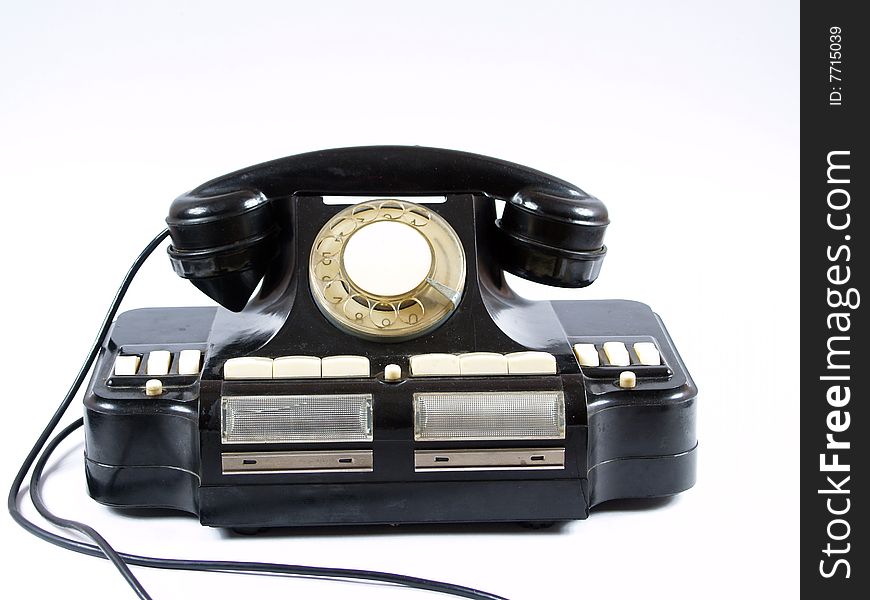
[
  {"x": 411, "y": 311},
  {"x": 391, "y": 209},
  {"x": 383, "y": 314},
  {"x": 326, "y": 270},
  {"x": 418, "y": 217},
  {"x": 356, "y": 307},
  {"x": 342, "y": 227},
  {"x": 364, "y": 213},
  {"x": 328, "y": 247},
  {"x": 335, "y": 291}
]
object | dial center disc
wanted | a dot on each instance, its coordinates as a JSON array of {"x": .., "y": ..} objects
[{"x": 387, "y": 258}]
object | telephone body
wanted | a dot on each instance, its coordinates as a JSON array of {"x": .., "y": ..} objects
[{"x": 368, "y": 362}]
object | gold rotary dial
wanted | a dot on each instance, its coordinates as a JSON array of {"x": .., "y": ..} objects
[{"x": 387, "y": 270}]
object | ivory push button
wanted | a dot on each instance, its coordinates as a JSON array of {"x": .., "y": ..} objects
[
  {"x": 423, "y": 365},
  {"x": 345, "y": 366},
  {"x": 189, "y": 362},
  {"x": 483, "y": 363},
  {"x": 293, "y": 367},
  {"x": 647, "y": 353},
  {"x": 587, "y": 355},
  {"x": 127, "y": 365},
  {"x": 248, "y": 367},
  {"x": 531, "y": 363},
  {"x": 617, "y": 354},
  {"x": 158, "y": 362}
]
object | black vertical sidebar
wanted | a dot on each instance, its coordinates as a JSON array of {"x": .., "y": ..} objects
[{"x": 834, "y": 367}]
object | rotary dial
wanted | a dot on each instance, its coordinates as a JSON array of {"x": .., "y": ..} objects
[{"x": 387, "y": 270}]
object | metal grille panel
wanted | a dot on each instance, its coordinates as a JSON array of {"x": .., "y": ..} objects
[
  {"x": 301, "y": 418},
  {"x": 489, "y": 416}
]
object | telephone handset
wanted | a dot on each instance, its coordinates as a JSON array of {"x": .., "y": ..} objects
[
  {"x": 225, "y": 233},
  {"x": 385, "y": 372}
]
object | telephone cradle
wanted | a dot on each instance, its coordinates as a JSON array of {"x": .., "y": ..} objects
[{"x": 369, "y": 363}]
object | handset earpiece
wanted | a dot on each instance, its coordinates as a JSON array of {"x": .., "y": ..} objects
[
  {"x": 553, "y": 237},
  {"x": 224, "y": 233},
  {"x": 223, "y": 243}
]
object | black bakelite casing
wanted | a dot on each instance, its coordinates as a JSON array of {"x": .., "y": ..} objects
[{"x": 259, "y": 224}]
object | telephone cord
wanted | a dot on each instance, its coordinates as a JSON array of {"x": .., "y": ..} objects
[{"x": 45, "y": 445}]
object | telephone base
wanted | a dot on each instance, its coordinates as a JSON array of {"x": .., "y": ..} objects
[{"x": 168, "y": 452}]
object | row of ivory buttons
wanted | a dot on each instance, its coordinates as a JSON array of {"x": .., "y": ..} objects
[
  {"x": 483, "y": 363},
  {"x": 158, "y": 363},
  {"x": 296, "y": 367},
  {"x": 616, "y": 354},
  {"x": 422, "y": 365}
]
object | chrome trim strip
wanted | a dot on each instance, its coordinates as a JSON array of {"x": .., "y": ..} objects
[
  {"x": 500, "y": 459},
  {"x": 326, "y": 461}
]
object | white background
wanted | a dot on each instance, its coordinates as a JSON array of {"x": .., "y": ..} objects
[{"x": 681, "y": 116}]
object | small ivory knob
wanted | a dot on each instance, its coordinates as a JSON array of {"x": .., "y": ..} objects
[
  {"x": 627, "y": 379},
  {"x": 153, "y": 387},
  {"x": 392, "y": 373}
]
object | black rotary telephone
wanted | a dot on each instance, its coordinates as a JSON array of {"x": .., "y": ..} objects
[{"x": 369, "y": 363}]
